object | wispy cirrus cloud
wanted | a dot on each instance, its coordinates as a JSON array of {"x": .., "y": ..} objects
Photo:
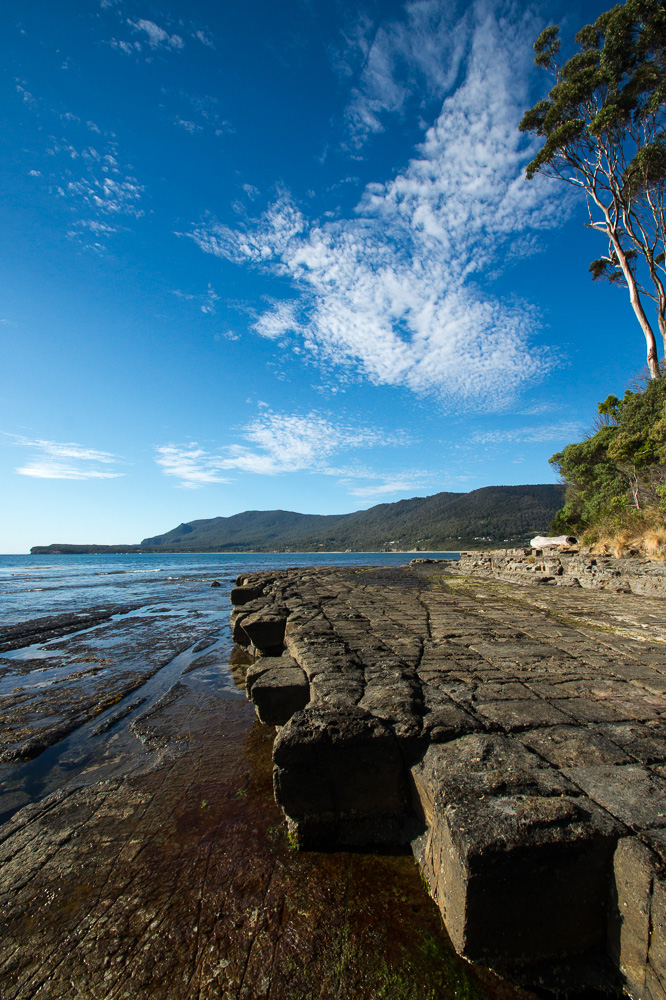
[
  {"x": 204, "y": 37},
  {"x": 380, "y": 485},
  {"x": 206, "y": 302},
  {"x": 190, "y": 464},
  {"x": 565, "y": 431},
  {"x": 197, "y": 112},
  {"x": 277, "y": 443},
  {"x": 417, "y": 56},
  {"x": 150, "y": 34},
  {"x": 399, "y": 294},
  {"x": 58, "y": 460},
  {"x": 289, "y": 443},
  {"x": 99, "y": 191},
  {"x": 82, "y": 166}
]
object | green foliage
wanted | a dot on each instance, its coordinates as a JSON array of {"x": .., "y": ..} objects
[
  {"x": 547, "y": 46},
  {"x": 619, "y": 470},
  {"x": 602, "y": 128},
  {"x": 594, "y": 482},
  {"x": 647, "y": 169},
  {"x": 617, "y": 78},
  {"x": 641, "y": 434}
]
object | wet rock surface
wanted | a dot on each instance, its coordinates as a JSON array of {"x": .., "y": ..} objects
[
  {"x": 144, "y": 856},
  {"x": 19, "y": 635},
  {"x": 54, "y": 686},
  {"x": 527, "y": 723}
]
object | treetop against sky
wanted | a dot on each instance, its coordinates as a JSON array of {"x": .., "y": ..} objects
[{"x": 262, "y": 255}]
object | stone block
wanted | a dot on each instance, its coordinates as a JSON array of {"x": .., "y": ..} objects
[
  {"x": 264, "y": 663},
  {"x": 502, "y": 691},
  {"x": 521, "y": 713},
  {"x": 444, "y": 720},
  {"x": 634, "y": 866},
  {"x": 340, "y": 779},
  {"x": 279, "y": 692},
  {"x": 481, "y": 765},
  {"x": 646, "y": 743},
  {"x": 592, "y": 710},
  {"x": 630, "y": 793},
  {"x": 265, "y": 628},
  {"x": 255, "y": 671},
  {"x": 238, "y": 633},
  {"x": 521, "y": 878},
  {"x": 573, "y": 746},
  {"x": 518, "y": 866},
  {"x": 238, "y": 614},
  {"x": 655, "y": 986},
  {"x": 657, "y": 950},
  {"x": 242, "y": 595}
]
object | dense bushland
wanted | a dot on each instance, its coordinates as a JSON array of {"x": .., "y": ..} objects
[{"x": 616, "y": 478}]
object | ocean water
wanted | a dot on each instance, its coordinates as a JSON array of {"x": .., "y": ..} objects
[{"x": 37, "y": 586}]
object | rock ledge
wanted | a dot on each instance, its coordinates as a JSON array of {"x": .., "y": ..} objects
[{"x": 521, "y": 751}]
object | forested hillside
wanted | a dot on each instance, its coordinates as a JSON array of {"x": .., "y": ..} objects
[{"x": 493, "y": 515}]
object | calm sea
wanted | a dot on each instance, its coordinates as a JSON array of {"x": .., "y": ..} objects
[{"x": 35, "y": 586}]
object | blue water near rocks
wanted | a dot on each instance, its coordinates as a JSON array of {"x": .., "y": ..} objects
[
  {"x": 36, "y": 586},
  {"x": 163, "y": 587}
]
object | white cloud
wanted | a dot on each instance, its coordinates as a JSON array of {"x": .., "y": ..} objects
[
  {"x": 56, "y": 460},
  {"x": 387, "y": 488},
  {"x": 399, "y": 293},
  {"x": 189, "y": 126},
  {"x": 26, "y": 96},
  {"x": 91, "y": 178},
  {"x": 286, "y": 443},
  {"x": 190, "y": 464},
  {"x": 93, "y": 181},
  {"x": 156, "y": 37},
  {"x": 420, "y": 54},
  {"x": 58, "y": 470},
  {"x": 291, "y": 443},
  {"x": 282, "y": 319},
  {"x": 207, "y": 303},
  {"x": 278, "y": 443},
  {"x": 128, "y": 48},
  {"x": 108, "y": 195},
  {"x": 565, "y": 431},
  {"x": 204, "y": 38}
]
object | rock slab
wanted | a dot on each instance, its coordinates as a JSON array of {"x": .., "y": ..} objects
[{"x": 516, "y": 740}]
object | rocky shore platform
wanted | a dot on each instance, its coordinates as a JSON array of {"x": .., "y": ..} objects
[
  {"x": 513, "y": 735},
  {"x": 142, "y": 855}
]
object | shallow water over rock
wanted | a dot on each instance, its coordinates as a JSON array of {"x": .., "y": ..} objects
[
  {"x": 144, "y": 855},
  {"x": 180, "y": 882}
]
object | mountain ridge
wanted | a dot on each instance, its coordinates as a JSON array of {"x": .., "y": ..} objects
[{"x": 491, "y": 515}]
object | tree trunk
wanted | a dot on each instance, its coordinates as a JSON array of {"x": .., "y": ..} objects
[{"x": 637, "y": 305}]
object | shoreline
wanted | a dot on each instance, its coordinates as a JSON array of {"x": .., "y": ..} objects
[
  {"x": 59, "y": 550},
  {"x": 148, "y": 853}
]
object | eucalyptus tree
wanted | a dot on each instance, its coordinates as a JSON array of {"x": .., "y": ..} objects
[{"x": 603, "y": 126}]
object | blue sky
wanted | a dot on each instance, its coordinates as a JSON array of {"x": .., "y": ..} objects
[{"x": 261, "y": 255}]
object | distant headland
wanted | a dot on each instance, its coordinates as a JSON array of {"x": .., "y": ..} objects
[{"x": 491, "y": 516}]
